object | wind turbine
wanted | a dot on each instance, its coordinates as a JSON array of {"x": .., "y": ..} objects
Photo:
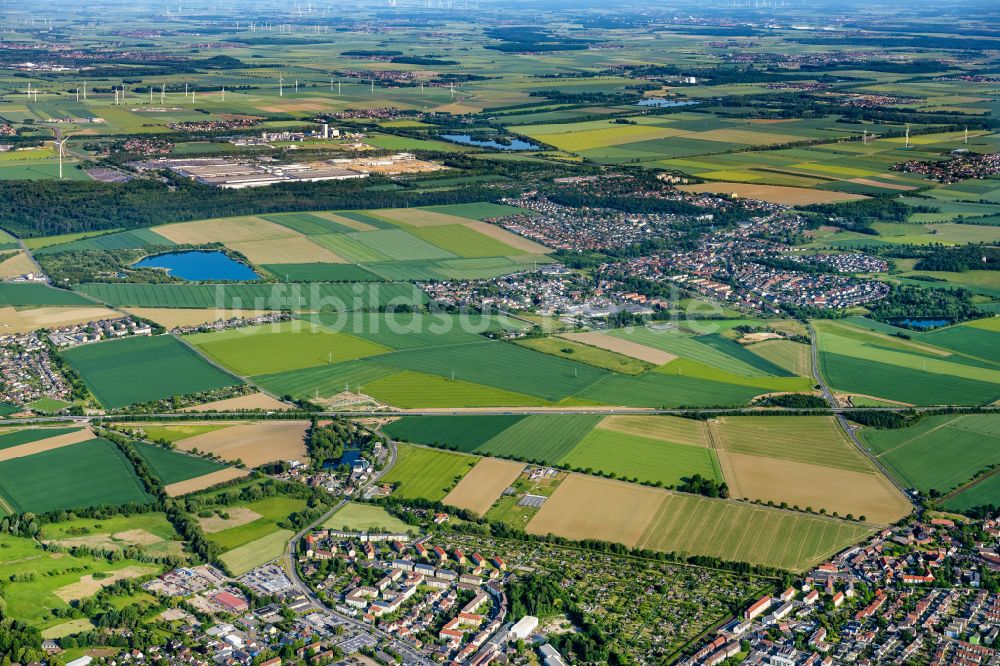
[
  {"x": 223, "y": 93},
  {"x": 59, "y": 145},
  {"x": 296, "y": 86},
  {"x": 281, "y": 89}
]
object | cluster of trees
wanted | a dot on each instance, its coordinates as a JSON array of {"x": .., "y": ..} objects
[
  {"x": 529, "y": 40},
  {"x": 700, "y": 485},
  {"x": 884, "y": 420},
  {"x": 48, "y": 207},
  {"x": 960, "y": 258},
  {"x": 794, "y": 401},
  {"x": 905, "y": 303},
  {"x": 859, "y": 215}
]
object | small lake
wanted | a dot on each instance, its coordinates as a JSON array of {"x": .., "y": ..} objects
[
  {"x": 515, "y": 144},
  {"x": 200, "y": 265},
  {"x": 349, "y": 457},
  {"x": 664, "y": 103},
  {"x": 923, "y": 324}
]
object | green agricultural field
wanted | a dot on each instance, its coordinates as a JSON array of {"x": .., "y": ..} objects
[
  {"x": 33, "y": 598},
  {"x": 90, "y": 473},
  {"x": 805, "y": 439},
  {"x": 172, "y": 467},
  {"x": 139, "y": 369},
  {"x": 642, "y": 459},
  {"x": 294, "y": 296},
  {"x": 175, "y": 433},
  {"x": 500, "y": 365},
  {"x": 290, "y": 345},
  {"x": 150, "y": 531},
  {"x": 582, "y": 353},
  {"x": 25, "y": 293},
  {"x": 854, "y": 360},
  {"x": 659, "y": 389},
  {"x": 261, "y": 551},
  {"x": 969, "y": 339},
  {"x": 463, "y": 241},
  {"x": 321, "y": 273},
  {"x": 325, "y": 381},
  {"x": 541, "y": 437},
  {"x": 355, "y": 517},
  {"x": 416, "y": 389},
  {"x": 405, "y": 330},
  {"x": 270, "y": 512},
  {"x": 741, "y": 532},
  {"x": 793, "y": 357},
  {"x": 984, "y": 492},
  {"x": 712, "y": 349},
  {"x": 940, "y": 453},
  {"x": 464, "y": 433},
  {"x": 426, "y": 473},
  {"x": 28, "y": 435}
]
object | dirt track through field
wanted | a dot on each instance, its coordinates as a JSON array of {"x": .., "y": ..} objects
[{"x": 88, "y": 586}]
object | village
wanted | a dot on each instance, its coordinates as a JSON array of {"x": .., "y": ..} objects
[{"x": 922, "y": 592}]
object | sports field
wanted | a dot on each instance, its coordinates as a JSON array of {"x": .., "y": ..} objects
[
  {"x": 427, "y": 473},
  {"x": 941, "y": 452},
  {"x": 140, "y": 369},
  {"x": 89, "y": 473}
]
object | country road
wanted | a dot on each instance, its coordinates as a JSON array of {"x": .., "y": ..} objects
[{"x": 837, "y": 410}]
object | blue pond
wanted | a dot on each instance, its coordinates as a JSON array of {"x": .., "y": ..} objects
[
  {"x": 923, "y": 323},
  {"x": 350, "y": 457},
  {"x": 200, "y": 265},
  {"x": 515, "y": 144},
  {"x": 663, "y": 103}
]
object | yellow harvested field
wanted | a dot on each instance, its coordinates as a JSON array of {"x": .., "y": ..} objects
[
  {"x": 623, "y": 347},
  {"x": 224, "y": 230},
  {"x": 587, "y": 507},
  {"x": 875, "y": 183},
  {"x": 750, "y": 338},
  {"x": 88, "y": 586},
  {"x": 171, "y": 317},
  {"x": 665, "y": 428},
  {"x": 741, "y": 136},
  {"x": 482, "y": 486},
  {"x": 19, "y": 264},
  {"x": 243, "y": 402},
  {"x": 507, "y": 238},
  {"x": 799, "y": 484},
  {"x": 297, "y": 250},
  {"x": 56, "y": 442},
  {"x": 346, "y": 221},
  {"x": 417, "y": 217},
  {"x": 25, "y": 321},
  {"x": 792, "y": 196},
  {"x": 206, "y": 481},
  {"x": 238, "y": 515},
  {"x": 253, "y": 443}
]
